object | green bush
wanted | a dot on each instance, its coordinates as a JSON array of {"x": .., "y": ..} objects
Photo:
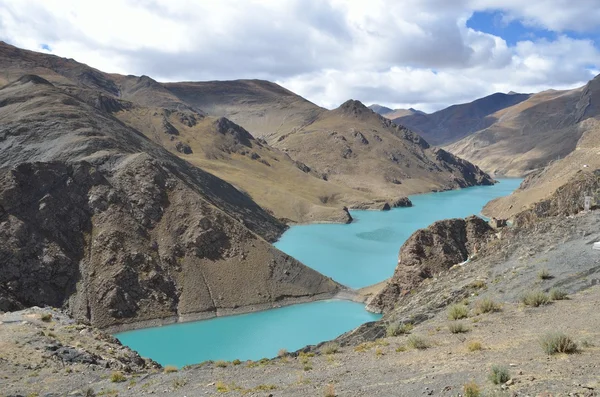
[
  {"x": 457, "y": 328},
  {"x": 557, "y": 342},
  {"x": 46, "y": 317},
  {"x": 456, "y": 312},
  {"x": 499, "y": 375},
  {"x": 417, "y": 342},
  {"x": 535, "y": 298},
  {"x": 487, "y": 305},
  {"x": 236, "y": 361},
  {"x": 557, "y": 294},
  {"x": 398, "y": 329}
]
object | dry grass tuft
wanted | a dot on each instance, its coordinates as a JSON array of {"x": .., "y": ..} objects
[{"x": 456, "y": 312}]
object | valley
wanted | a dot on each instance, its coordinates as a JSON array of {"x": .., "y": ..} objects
[{"x": 326, "y": 251}]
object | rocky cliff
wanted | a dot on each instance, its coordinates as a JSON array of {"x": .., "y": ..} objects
[
  {"x": 96, "y": 218},
  {"x": 429, "y": 251},
  {"x": 569, "y": 199}
]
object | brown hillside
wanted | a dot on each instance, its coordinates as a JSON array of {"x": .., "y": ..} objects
[{"x": 96, "y": 218}]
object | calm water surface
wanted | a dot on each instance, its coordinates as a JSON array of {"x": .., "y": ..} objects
[
  {"x": 365, "y": 252},
  {"x": 359, "y": 254},
  {"x": 248, "y": 336}
]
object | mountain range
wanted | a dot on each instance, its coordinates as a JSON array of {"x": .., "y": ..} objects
[{"x": 127, "y": 201}]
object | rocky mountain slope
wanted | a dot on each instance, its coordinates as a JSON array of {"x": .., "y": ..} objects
[
  {"x": 355, "y": 147},
  {"x": 264, "y": 108},
  {"x": 530, "y": 135},
  {"x": 96, "y": 218},
  {"x": 187, "y": 119},
  {"x": 457, "y": 121},
  {"x": 555, "y": 134}
]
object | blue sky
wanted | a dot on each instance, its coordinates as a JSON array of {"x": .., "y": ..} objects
[
  {"x": 498, "y": 23},
  {"x": 425, "y": 54}
]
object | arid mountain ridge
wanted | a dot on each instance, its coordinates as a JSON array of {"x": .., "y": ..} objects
[{"x": 184, "y": 118}]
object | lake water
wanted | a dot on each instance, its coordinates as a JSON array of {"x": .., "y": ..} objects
[
  {"x": 248, "y": 336},
  {"x": 365, "y": 252},
  {"x": 359, "y": 254}
]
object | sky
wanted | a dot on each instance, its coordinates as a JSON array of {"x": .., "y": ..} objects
[{"x": 425, "y": 54}]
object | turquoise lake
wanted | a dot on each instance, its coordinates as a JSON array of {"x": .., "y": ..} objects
[
  {"x": 247, "y": 336},
  {"x": 365, "y": 252},
  {"x": 359, "y": 254}
]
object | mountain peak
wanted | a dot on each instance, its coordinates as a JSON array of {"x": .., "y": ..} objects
[
  {"x": 380, "y": 109},
  {"x": 354, "y": 107}
]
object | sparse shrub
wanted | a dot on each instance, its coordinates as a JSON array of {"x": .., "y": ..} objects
[
  {"x": 170, "y": 368},
  {"x": 557, "y": 342},
  {"x": 222, "y": 387},
  {"x": 457, "y": 328},
  {"x": 535, "y": 298},
  {"x": 474, "y": 345},
  {"x": 396, "y": 329},
  {"x": 236, "y": 362},
  {"x": 417, "y": 342},
  {"x": 471, "y": 389},
  {"x": 379, "y": 352},
  {"x": 557, "y": 294},
  {"x": 330, "y": 348},
  {"x": 117, "y": 377},
  {"x": 46, "y": 317},
  {"x": 307, "y": 367},
  {"x": 401, "y": 348},
  {"x": 282, "y": 353},
  {"x": 265, "y": 387},
  {"x": 487, "y": 305},
  {"x": 89, "y": 392},
  {"x": 499, "y": 375},
  {"x": 330, "y": 391},
  {"x": 544, "y": 274},
  {"x": 221, "y": 364},
  {"x": 179, "y": 382},
  {"x": 456, "y": 312},
  {"x": 478, "y": 284}
]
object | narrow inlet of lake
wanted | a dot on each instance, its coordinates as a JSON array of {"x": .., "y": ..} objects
[
  {"x": 365, "y": 252},
  {"x": 359, "y": 254}
]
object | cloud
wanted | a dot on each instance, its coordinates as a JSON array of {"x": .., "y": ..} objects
[{"x": 416, "y": 53}]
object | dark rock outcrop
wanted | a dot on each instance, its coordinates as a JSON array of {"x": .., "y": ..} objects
[
  {"x": 566, "y": 200},
  {"x": 99, "y": 220},
  {"x": 183, "y": 148},
  {"x": 469, "y": 172},
  {"x": 431, "y": 251}
]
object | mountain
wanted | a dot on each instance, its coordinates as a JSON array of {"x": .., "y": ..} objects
[
  {"x": 529, "y": 135},
  {"x": 393, "y": 113},
  {"x": 382, "y": 110},
  {"x": 186, "y": 118},
  {"x": 261, "y": 107},
  {"x": 310, "y": 138},
  {"x": 100, "y": 220},
  {"x": 549, "y": 137},
  {"x": 457, "y": 121},
  {"x": 354, "y": 146}
]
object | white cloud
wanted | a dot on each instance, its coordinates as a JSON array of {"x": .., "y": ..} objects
[{"x": 399, "y": 53}]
